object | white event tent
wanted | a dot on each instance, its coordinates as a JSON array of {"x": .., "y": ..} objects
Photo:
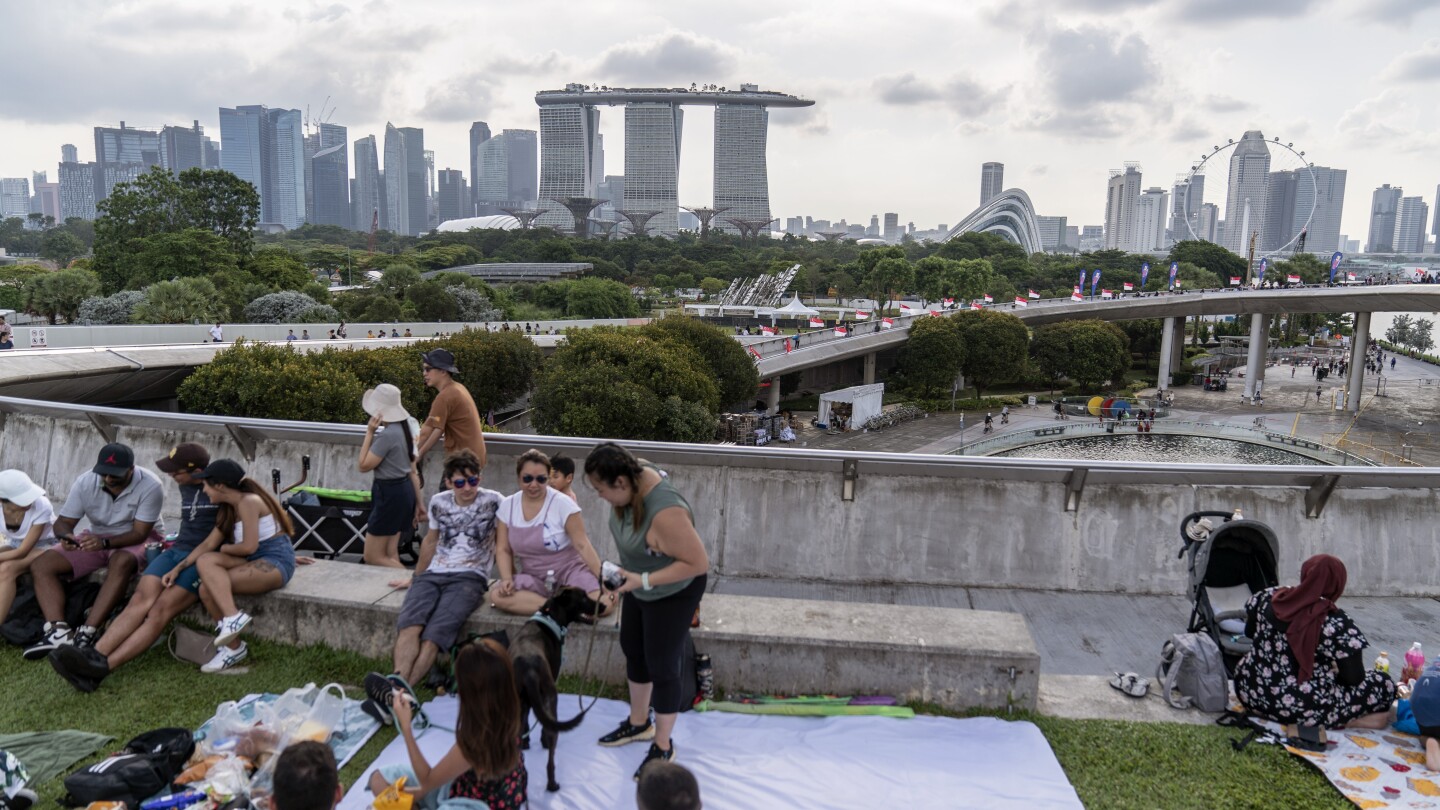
[{"x": 865, "y": 401}]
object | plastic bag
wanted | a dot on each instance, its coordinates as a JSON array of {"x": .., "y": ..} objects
[
  {"x": 395, "y": 797},
  {"x": 228, "y": 732},
  {"x": 228, "y": 779},
  {"x": 326, "y": 715},
  {"x": 303, "y": 713}
]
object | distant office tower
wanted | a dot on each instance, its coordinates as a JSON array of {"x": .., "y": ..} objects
[
  {"x": 14, "y": 197},
  {"x": 795, "y": 225},
  {"x": 522, "y": 150},
  {"x": 367, "y": 199},
  {"x": 122, "y": 154},
  {"x": 1435, "y": 228},
  {"x": 892, "y": 228},
  {"x": 506, "y": 173},
  {"x": 1189, "y": 195},
  {"x": 1152, "y": 210},
  {"x": 77, "y": 190},
  {"x": 1323, "y": 235},
  {"x": 212, "y": 153},
  {"x": 479, "y": 133},
  {"x": 68, "y": 153},
  {"x": 1411, "y": 217},
  {"x": 432, "y": 188},
  {"x": 652, "y": 163},
  {"x": 1208, "y": 223},
  {"x": 741, "y": 173},
  {"x": 612, "y": 191},
  {"x": 1246, "y": 194},
  {"x": 1121, "y": 193},
  {"x": 182, "y": 148},
  {"x": 330, "y": 177},
  {"x": 247, "y": 149},
  {"x": 873, "y": 230},
  {"x": 1383, "y": 205},
  {"x": 992, "y": 181},
  {"x": 1052, "y": 232},
  {"x": 405, "y": 180},
  {"x": 47, "y": 201},
  {"x": 287, "y": 206},
  {"x": 1281, "y": 207},
  {"x": 453, "y": 198},
  {"x": 567, "y": 152}
]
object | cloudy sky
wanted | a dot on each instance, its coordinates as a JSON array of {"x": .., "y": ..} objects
[{"x": 912, "y": 95}]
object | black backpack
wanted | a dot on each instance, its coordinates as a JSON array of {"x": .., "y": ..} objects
[
  {"x": 25, "y": 624},
  {"x": 147, "y": 766}
]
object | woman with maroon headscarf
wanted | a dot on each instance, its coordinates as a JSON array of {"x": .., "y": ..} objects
[{"x": 1306, "y": 667}]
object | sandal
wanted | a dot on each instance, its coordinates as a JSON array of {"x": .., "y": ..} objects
[{"x": 1130, "y": 684}]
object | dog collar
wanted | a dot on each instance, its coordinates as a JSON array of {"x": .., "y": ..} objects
[{"x": 549, "y": 623}]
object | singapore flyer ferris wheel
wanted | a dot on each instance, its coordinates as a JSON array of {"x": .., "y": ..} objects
[{"x": 1254, "y": 197}]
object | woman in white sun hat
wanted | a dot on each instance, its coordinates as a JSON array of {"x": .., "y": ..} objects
[
  {"x": 389, "y": 452},
  {"x": 28, "y": 531}
]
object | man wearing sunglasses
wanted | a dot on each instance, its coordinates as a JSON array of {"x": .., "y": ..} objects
[
  {"x": 453, "y": 413},
  {"x": 450, "y": 579}
]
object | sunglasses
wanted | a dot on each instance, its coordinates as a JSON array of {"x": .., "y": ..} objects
[
  {"x": 424, "y": 369},
  {"x": 525, "y": 479},
  {"x": 461, "y": 483}
]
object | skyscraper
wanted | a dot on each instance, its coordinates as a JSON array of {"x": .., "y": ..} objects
[
  {"x": 1411, "y": 217},
  {"x": 1383, "y": 205},
  {"x": 506, "y": 172},
  {"x": 369, "y": 198},
  {"x": 14, "y": 197},
  {"x": 121, "y": 155},
  {"x": 330, "y": 176},
  {"x": 1053, "y": 233},
  {"x": 1435, "y": 228},
  {"x": 1246, "y": 193},
  {"x": 246, "y": 144},
  {"x": 479, "y": 133},
  {"x": 652, "y": 163},
  {"x": 524, "y": 165},
  {"x": 1281, "y": 208},
  {"x": 1323, "y": 236},
  {"x": 405, "y": 180},
  {"x": 741, "y": 173},
  {"x": 1189, "y": 195},
  {"x": 77, "y": 189},
  {"x": 992, "y": 181},
  {"x": 453, "y": 199},
  {"x": 68, "y": 153},
  {"x": 567, "y": 150},
  {"x": 1121, "y": 193},
  {"x": 892, "y": 228},
  {"x": 182, "y": 148},
  {"x": 1147, "y": 232},
  {"x": 287, "y": 193}
]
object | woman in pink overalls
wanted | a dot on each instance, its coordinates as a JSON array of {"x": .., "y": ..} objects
[{"x": 543, "y": 533}]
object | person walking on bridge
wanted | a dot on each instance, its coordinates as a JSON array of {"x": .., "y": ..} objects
[{"x": 453, "y": 413}]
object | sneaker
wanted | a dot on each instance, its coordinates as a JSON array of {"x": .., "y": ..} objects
[
  {"x": 225, "y": 658},
  {"x": 653, "y": 755},
  {"x": 230, "y": 627},
  {"x": 628, "y": 733},
  {"x": 378, "y": 689},
  {"x": 23, "y": 799},
  {"x": 56, "y": 634},
  {"x": 74, "y": 665},
  {"x": 85, "y": 636}
]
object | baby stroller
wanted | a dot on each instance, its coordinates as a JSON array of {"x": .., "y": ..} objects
[{"x": 1228, "y": 563}]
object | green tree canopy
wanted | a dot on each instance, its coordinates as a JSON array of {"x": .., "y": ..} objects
[
  {"x": 933, "y": 356},
  {"x": 59, "y": 294},
  {"x": 996, "y": 344},
  {"x": 599, "y": 298},
  {"x": 60, "y": 246},
  {"x": 1208, "y": 256},
  {"x": 728, "y": 361},
  {"x": 1090, "y": 352},
  {"x": 185, "y": 300}
]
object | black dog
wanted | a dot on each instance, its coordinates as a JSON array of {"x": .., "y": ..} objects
[{"x": 535, "y": 651}]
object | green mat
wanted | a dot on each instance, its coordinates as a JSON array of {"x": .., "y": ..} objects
[{"x": 46, "y": 754}]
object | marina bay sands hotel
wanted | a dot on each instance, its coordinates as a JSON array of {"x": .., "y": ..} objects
[{"x": 570, "y": 149}]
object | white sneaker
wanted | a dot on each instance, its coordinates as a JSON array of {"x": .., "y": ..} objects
[
  {"x": 225, "y": 658},
  {"x": 229, "y": 627}
]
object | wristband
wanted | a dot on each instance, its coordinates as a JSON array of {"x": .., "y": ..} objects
[{"x": 645, "y": 581}]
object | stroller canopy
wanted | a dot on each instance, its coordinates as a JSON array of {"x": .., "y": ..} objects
[{"x": 1239, "y": 552}]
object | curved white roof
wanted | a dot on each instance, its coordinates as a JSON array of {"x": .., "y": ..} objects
[
  {"x": 1009, "y": 214},
  {"x": 503, "y": 222}
]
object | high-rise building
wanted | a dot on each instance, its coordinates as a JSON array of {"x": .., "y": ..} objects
[
  {"x": 892, "y": 231},
  {"x": 47, "y": 201},
  {"x": 1152, "y": 210},
  {"x": 183, "y": 148},
  {"x": 1189, "y": 195},
  {"x": 68, "y": 153},
  {"x": 992, "y": 181},
  {"x": 126, "y": 145},
  {"x": 453, "y": 199},
  {"x": 506, "y": 172},
  {"x": 1208, "y": 224},
  {"x": 367, "y": 198},
  {"x": 14, "y": 197},
  {"x": 1072, "y": 236},
  {"x": 1383, "y": 205},
  {"x": 1121, "y": 193},
  {"x": 247, "y": 148},
  {"x": 1435, "y": 228},
  {"x": 568, "y": 135},
  {"x": 523, "y": 157},
  {"x": 1052, "y": 233},
  {"x": 1322, "y": 236},
  {"x": 479, "y": 133},
  {"x": 1245, "y": 196},
  {"x": 212, "y": 153},
  {"x": 741, "y": 173},
  {"x": 1281, "y": 197},
  {"x": 288, "y": 193},
  {"x": 77, "y": 190},
  {"x": 1411, "y": 217},
  {"x": 330, "y": 176},
  {"x": 406, "y": 180},
  {"x": 873, "y": 230},
  {"x": 652, "y": 163}
]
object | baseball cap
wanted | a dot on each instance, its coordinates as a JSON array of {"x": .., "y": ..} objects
[
  {"x": 17, "y": 488},
  {"x": 441, "y": 359},
  {"x": 222, "y": 471},
  {"x": 187, "y": 457},
  {"x": 115, "y": 459}
]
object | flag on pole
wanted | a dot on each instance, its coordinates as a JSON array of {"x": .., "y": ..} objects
[
  {"x": 934, "y": 313},
  {"x": 1128, "y": 286},
  {"x": 1076, "y": 296},
  {"x": 1095, "y": 282},
  {"x": 862, "y": 315},
  {"x": 886, "y": 323},
  {"x": 788, "y": 346},
  {"x": 816, "y": 323},
  {"x": 752, "y": 351},
  {"x": 1349, "y": 276},
  {"x": 949, "y": 301},
  {"x": 840, "y": 331},
  {"x": 1174, "y": 268},
  {"x": 1034, "y": 294},
  {"x": 1177, "y": 283},
  {"x": 1106, "y": 294},
  {"x": 1292, "y": 279},
  {"x": 1234, "y": 281},
  {"x": 1260, "y": 271},
  {"x": 1335, "y": 260},
  {"x": 988, "y": 299},
  {"x": 1144, "y": 274},
  {"x": 906, "y": 310},
  {"x": 1021, "y": 301},
  {"x": 1083, "y": 274},
  {"x": 975, "y": 305},
  {"x": 767, "y": 330}
]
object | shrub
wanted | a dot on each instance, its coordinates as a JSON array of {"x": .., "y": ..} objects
[
  {"x": 273, "y": 382},
  {"x": 111, "y": 309},
  {"x": 474, "y": 305},
  {"x": 731, "y": 365},
  {"x": 281, "y": 307}
]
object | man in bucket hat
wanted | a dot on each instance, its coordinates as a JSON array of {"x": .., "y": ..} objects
[
  {"x": 453, "y": 413},
  {"x": 122, "y": 503}
]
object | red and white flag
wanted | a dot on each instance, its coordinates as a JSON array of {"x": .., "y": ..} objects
[
  {"x": 934, "y": 313},
  {"x": 1292, "y": 279},
  {"x": 975, "y": 305},
  {"x": 1107, "y": 294},
  {"x": 906, "y": 310},
  {"x": 1234, "y": 281},
  {"x": 1034, "y": 294},
  {"x": 767, "y": 330},
  {"x": 752, "y": 351},
  {"x": 886, "y": 323},
  {"x": 988, "y": 299},
  {"x": 949, "y": 301},
  {"x": 1076, "y": 296},
  {"x": 1177, "y": 283},
  {"x": 816, "y": 323},
  {"x": 840, "y": 331},
  {"x": 1128, "y": 286},
  {"x": 1020, "y": 301},
  {"x": 862, "y": 315},
  {"x": 1349, "y": 276},
  {"x": 787, "y": 345}
]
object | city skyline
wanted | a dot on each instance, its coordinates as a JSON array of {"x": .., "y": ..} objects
[{"x": 1060, "y": 93}]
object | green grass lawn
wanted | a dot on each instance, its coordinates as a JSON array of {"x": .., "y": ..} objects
[{"x": 1112, "y": 764}]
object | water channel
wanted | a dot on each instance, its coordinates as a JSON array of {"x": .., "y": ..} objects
[{"x": 1159, "y": 447}]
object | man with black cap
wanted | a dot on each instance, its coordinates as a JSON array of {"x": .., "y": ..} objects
[
  {"x": 153, "y": 606},
  {"x": 453, "y": 413},
  {"x": 122, "y": 503}
]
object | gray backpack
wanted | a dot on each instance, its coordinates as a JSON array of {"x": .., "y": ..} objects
[{"x": 1190, "y": 663}]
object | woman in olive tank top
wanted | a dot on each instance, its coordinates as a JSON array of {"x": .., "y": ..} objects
[{"x": 664, "y": 564}]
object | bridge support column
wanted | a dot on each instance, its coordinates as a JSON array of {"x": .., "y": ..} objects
[
  {"x": 870, "y": 368},
  {"x": 1359, "y": 346},
  {"x": 1259, "y": 344},
  {"x": 772, "y": 397},
  {"x": 1172, "y": 350}
]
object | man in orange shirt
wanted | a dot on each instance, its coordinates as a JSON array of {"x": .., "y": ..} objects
[{"x": 453, "y": 413}]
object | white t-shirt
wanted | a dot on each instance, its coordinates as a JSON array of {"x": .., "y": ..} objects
[
  {"x": 556, "y": 510},
  {"x": 40, "y": 512},
  {"x": 216, "y": 333}
]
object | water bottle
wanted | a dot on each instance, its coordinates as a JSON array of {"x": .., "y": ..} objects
[
  {"x": 1382, "y": 663},
  {"x": 1414, "y": 663},
  {"x": 704, "y": 677},
  {"x": 174, "y": 800},
  {"x": 550, "y": 582},
  {"x": 1237, "y": 515},
  {"x": 611, "y": 576}
]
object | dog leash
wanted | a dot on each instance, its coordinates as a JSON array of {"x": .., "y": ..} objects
[{"x": 585, "y": 668}]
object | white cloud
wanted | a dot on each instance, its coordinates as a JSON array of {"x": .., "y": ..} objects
[
  {"x": 960, "y": 94},
  {"x": 1420, "y": 65},
  {"x": 672, "y": 58},
  {"x": 1088, "y": 65},
  {"x": 1389, "y": 122}
]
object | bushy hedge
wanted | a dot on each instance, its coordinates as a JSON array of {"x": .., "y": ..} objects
[
  {"x": 289, "y": 306},
  {"x": 111, "y": 309}
]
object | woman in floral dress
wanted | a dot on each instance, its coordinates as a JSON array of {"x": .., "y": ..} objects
[{"x": 1307, "y": 665}]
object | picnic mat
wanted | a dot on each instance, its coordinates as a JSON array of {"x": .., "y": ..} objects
[
  {"x": 749, "y": 761},
  {"x": 355, "y": 730},
  {"x": 46, "y": 754},
  {"x": 1375, "y": 768}
]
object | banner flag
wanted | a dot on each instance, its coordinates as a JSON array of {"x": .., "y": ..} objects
[
  {"x": 1021, "y": 301},
  {"x": 886, "y": 323},
  {"x": 1128, "y": 286},
  {"x": 1174, "y": 269},
  {"x": 1292, "y": 279},
  {"x": 1076, "y": 296},
  {"x": 1234, "y": 281},
  {"x": 1034, "y": 294},
  {"x": 1095, "y": 282},
  {"x": 1144, "y": 274},
  {"x": 1335, "y": 264},
  {"x": 1106, "y": 294},
  {"x": 767, "y": 330},
  {"x": 906, "y": 310},
  {"x": 840, "y": 331},
  {"x": 1260, "y": 271},
  {"x": 862, "y": 315},
  {"x": 988, "y": 299},
  {"x": 816, "y": 323}
]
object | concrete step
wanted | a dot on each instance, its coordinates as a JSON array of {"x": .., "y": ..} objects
[{"x": 952, "y": 657}]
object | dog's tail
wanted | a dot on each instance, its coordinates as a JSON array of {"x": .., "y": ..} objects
[{"x": 534, "y": 691}]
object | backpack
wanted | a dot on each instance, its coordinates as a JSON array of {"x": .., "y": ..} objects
[
  {"x": 25, "y": 624},
  {"x": 1191, "y": 664},
  {"x": 146, "y": 767}
]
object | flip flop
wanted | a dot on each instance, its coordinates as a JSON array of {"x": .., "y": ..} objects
[
  {"x": 1130, "y": 684},
  {"x": 419, "y": 719}
]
